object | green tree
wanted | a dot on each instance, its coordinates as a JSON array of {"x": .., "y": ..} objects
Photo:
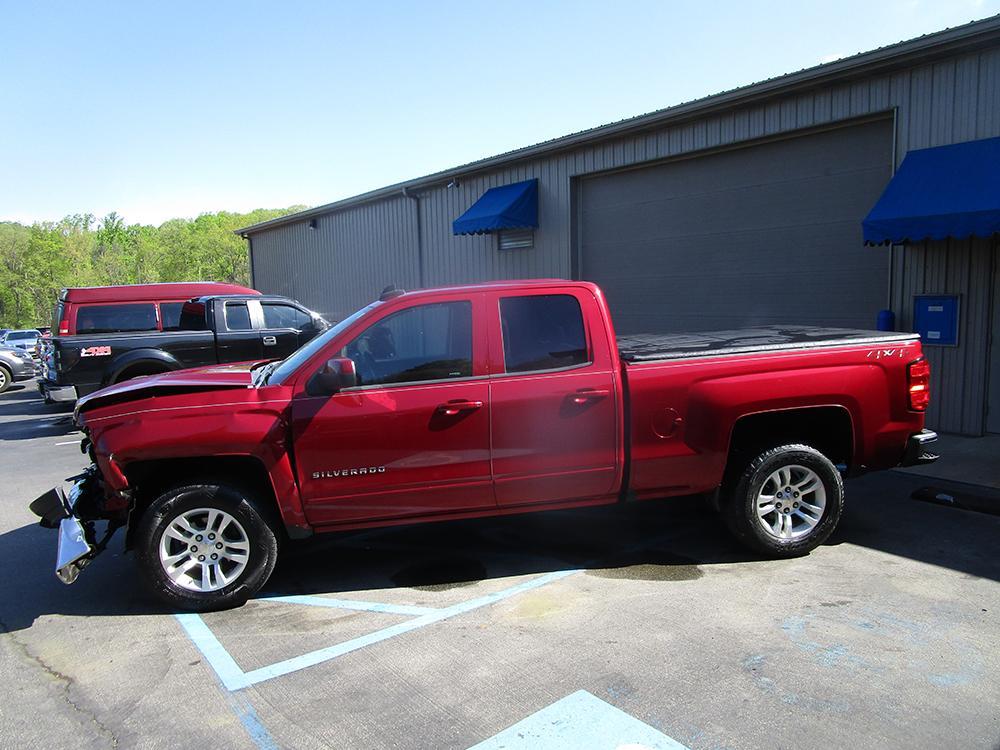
[{"x": 37, "y": 261}]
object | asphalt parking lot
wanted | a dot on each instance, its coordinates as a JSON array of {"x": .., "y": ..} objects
[{"x": 635, "y": 627}]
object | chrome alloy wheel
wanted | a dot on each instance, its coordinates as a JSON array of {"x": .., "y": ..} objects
[
  {"x": 204, "y": 549},
  {"x": 3, "y": 378},
  {"x": 791, "y": 502}
]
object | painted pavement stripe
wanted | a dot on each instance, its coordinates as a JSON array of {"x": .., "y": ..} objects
[
  {"x": 580, "y": 720},
  {"x": 214, "y": 652},
  {"x": 332, "y": 652},
  {"x": 323, "y": 601},
  {"x": 235, "y": 678},
  {"x": 251, "y": 722}
]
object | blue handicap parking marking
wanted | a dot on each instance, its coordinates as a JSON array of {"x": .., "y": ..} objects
[
  {"x": 234, "y": 678},
  {"x": 580, "y": 720}
]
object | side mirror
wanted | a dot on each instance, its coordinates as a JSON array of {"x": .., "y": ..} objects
[{"x": 333, "y": 377}]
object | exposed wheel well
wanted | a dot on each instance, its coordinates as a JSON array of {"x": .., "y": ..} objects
[
  {"x": 828, "y": 429},
  {"x": 150, "y": 479},
  {"x": 139, "y": 369}
]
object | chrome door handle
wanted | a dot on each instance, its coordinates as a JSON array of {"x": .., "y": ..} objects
[
  {"x": 585, "y": 395},
  {"x": 270, "y": 341},
  {"x": 451, "y": 408}
]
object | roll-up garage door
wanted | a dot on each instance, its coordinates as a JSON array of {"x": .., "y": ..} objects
[{"x": 769, "y": 233}]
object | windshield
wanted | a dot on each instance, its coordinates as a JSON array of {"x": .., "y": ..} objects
[
  {"x": 300, "y": 356},
  {"x": 22, "y": 335}
]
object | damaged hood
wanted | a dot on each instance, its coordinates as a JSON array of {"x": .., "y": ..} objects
[{"x": 212, "y": 378}]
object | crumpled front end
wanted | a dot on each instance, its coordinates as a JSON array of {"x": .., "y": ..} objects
[{"x": 76, "y": 514}]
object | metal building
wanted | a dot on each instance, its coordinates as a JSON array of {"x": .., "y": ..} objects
[{"x": 741, "y": 208}]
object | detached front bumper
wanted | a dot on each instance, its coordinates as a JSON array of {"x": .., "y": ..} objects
[
  {"x": 916, "y": 453},
  {"x": 71, "y": 514}
]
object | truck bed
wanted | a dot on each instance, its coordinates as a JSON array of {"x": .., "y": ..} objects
[{"x": 655, "y": 347}]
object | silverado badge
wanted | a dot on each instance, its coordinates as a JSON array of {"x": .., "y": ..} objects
[{"x": 360, "y": 472}]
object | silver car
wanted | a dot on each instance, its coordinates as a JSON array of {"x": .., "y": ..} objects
[
  {"x": 15, "y": 364},
  {"x": 23, "y": 339}
]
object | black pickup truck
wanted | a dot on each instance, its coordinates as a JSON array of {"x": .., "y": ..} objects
[{"x": 212, "y": 329}]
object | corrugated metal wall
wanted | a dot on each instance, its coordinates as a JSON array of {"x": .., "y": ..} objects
[
  {"x": 344, "y": 262},
  {"x": 959, "y": 373}
]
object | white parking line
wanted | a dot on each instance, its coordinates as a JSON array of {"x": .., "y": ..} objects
[
  {"x": 580, "y": 720},
  {"x": 234, "y": 678},
  {"x": 70, "y": 442}
]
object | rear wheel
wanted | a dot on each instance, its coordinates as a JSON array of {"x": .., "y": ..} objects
[
  {"x": 785, "y": 502},
  {"x": 205, "y": 546}
]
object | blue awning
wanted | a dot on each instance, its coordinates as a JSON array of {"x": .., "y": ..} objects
[
  {"x": 937, "y": 193},
  {"x": 508, "y": 207}
]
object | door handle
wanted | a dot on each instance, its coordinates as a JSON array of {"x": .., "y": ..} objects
[
  {"x": 270, "y": 340},
  {"x": 451, "y": 408},
  {"x": 584, "y": 395}
]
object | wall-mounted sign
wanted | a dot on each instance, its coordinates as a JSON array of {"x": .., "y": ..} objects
[{"x": 935, "y": 318}]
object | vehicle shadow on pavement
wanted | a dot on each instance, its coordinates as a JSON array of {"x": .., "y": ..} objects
[
  {"x": 109, "y": 587},
  {"x": 50, "y": 420},
  {"x": 654, "y": 541},
  {"x": 880, "y": 514},
  {"x": 673, "y": 540}
]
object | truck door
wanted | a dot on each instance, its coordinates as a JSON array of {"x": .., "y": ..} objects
[
  {"x": 236, "y": 338},
  {"x": 279, "y": 327},
  {"x": 553, "y": 391},
  {"x": 413, "y": 437}
]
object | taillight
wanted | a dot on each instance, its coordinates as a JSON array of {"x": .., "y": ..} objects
[
  {"x": 918, "y": 379},
  {"x": 64, "y": 328}
]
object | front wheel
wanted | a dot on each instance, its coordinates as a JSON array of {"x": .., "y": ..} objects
[
  {"x": 786, "y": 501},
  {"x": 203, "y": 547},
  {"x": 5, "y": 379}
]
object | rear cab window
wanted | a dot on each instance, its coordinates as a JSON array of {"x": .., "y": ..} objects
[
  {"x": 238, "y": 316},
  {"x": 542, "y": 332},
  {"x": 170, "y": 315},
  {"x": 116, "y": 318}
]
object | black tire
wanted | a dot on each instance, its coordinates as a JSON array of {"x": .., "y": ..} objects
[
  {"x": 5, "y": 378},
  {"x": 740, "y": 495},
  {"x": 238, "y": 503}
]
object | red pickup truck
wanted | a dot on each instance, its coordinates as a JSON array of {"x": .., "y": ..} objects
[{"x": 483, "y": 400}]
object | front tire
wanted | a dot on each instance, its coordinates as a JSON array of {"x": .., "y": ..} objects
[
  {"x": 5, "y": 379},
  {"x": 203, "y": 547},
  {"x": 785, "y": 502}
]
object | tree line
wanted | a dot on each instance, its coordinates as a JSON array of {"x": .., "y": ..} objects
[{"x": 37, "y": 261}]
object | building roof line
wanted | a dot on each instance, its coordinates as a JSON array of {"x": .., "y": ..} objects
[{"x": 939, "y": 43}]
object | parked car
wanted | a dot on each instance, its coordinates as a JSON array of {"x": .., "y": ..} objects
[
  {"x": 482, "y": 400},
  {"x": 137, "y": 308},
  {"x": 24, "y": 339},
  {"x": 209, "y": 330},
  {"x": 15, "y": 365}
]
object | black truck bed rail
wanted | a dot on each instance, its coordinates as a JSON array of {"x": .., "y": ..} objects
[{"x": 655, "y": 347}]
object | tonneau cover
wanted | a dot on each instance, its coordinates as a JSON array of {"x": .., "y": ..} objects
[{"x": 651, "y": 347}]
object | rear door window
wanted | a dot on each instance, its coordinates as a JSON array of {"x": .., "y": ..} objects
[
  {"x": 116, "y": 318},
  {"x": 170, "y": 315},
  {"x": 542, "y": 332},
  {"x": 192, "y": 317},
  {"x": 237, "y": 316}
]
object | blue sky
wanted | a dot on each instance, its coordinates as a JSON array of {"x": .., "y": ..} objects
[{"x": 158, "y": 110}]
